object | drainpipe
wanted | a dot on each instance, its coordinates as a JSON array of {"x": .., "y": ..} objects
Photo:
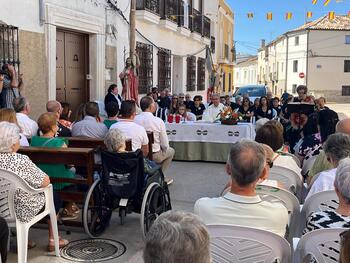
[
  {"x": 286, "y": 74},
  {"x": 41, "y": 12}
]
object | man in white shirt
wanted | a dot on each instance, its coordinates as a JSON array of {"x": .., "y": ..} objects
[
  {"x": 162, "y": 152},
  {"x": 28, "y": 126},
  {"x": 131, "y": 130},
  {"x": 242, "y": 206},
  {"x": 336, "y": 147},
  {"x": 212, "y": 112}
]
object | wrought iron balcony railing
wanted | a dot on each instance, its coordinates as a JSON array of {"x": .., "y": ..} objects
[
  {"x": 9, "y": 46},
  {"x": 171, "y": 10},
  {"x": 149, "y": 5}
]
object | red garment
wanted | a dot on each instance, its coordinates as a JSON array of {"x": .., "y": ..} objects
[{"x": 130, "y": 85}]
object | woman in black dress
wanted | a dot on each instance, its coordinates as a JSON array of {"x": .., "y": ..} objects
[
  {"x": 264, "y": 110},
  {"x": 246, "y": 110}
]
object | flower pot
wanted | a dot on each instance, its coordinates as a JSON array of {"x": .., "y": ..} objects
[{"x": 229, "y": 122}]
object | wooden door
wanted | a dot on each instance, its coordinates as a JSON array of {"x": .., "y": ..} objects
[{"x": 71, "y": 68}]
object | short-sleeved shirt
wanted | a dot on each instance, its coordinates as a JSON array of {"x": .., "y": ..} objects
[
  {"x": 309, "y": 146},
  {"x": 109, "y": 123},
  {"x": 259, "y": 113},
  {"x": 133, "y": 131},
  {"x": 26, "y": 205},
  {"x": 189, "y": 104},
  {"x": 326, "y": 219},
  {"x": 198, "y": 111},
  {"x": 323, "y": 182},
  {"x": 89, "y": 127},
  {"x": 53, "y": 170},
  {"x": 249, "y": 211},
  {"x": 8, "y": 93}
]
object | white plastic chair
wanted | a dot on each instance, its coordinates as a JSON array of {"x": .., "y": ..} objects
[
  {"x": 321, "y": 201},
  {"x": 291, "y": 180},
  {"x": 321, "y": 244},
  {"x": 235, "y": 244},
  {"x": 9, "y": 184},
  {"x": 273, "y": 195}
]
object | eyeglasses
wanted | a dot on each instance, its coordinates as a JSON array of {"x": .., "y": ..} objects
[{"x": 269, "y": 163}]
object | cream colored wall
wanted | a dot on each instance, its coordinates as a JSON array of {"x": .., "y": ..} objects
[
  {"x": 326, "y": 64},
  {"x": 34, "y": 70}
]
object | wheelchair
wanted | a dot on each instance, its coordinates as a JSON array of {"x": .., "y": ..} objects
[{"x": 123, "y": 185}]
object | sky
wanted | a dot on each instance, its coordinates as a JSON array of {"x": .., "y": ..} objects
[{"x": 249, "y": 32}]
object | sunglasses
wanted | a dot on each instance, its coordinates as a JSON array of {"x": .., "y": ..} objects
[{"x": 269, "y": 163}]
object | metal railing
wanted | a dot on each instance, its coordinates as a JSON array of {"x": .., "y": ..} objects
[
  {"x": 149, "y": 5},
  {"x": 9, "y": 45}
]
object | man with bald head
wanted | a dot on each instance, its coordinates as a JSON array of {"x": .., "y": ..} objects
[
  {"x": 321, "y": 164},
  {"x": 56, "y": 107},
  {"x": 242, "y": 206}
]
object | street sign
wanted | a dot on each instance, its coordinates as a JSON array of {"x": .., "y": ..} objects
[{"x": 301, "y": 75}]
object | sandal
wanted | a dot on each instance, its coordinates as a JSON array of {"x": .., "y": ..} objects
[
  {"x": 75, "y": 209},
  {"x": 62, "y": 243},
  {"x": 67, "y": 215}
]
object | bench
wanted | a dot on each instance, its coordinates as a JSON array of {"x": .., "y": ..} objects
[
  {"x": 83, "y": 142},
  {"x": 79, "y": 157}
]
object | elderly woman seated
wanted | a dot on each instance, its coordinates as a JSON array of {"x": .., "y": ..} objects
[
  {"x": 27, "y": 206},
  {"x": 177, "y": 237},
  {"x": 339, "y": 217}
]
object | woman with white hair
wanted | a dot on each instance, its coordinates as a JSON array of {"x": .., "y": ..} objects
[
  {"x": 27, "y": 206},
  {"x": 339, "y": 218},
  {"x": 177, "y": 237}
]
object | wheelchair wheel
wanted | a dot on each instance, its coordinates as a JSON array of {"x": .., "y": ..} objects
[
  {"x": 97, "y": 211},
  {"x": 153, "y": 204}
]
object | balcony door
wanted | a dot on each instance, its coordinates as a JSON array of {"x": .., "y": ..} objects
[{"x": 71, "y": 68}]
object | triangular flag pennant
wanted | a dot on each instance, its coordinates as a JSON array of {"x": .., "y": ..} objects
[
  {"x": 289, "y": 16},
  {"x": 250, "y": 15},
  {"x": 308, "y": 14},
  {"x": 331, "y": 15},
  {"x": 326, "y": 2},
  {"x": 269, "y": 16},
  {"x": 314, "y": 2},
  {"x": 349, "y": 14}
]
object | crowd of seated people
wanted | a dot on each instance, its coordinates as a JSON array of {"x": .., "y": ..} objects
[{"x": 319, "y": 155}]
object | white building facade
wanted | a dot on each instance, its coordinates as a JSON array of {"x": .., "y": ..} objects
[
  {"x": 69, "y": 50},
  {"x": 317, "y": 55},
  {"x": 246, "y": 72},
  {"x": 173, "y": 38}
]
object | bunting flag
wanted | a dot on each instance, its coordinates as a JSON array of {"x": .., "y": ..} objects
[
  {"x": 326, "y": 2},
  {"x": 331, "y": 15},
  {"x": 314, "y": 2},
  {"x": 269, "y": 16},
  {"x": 308, "y": 14},
  {"x": 349, "y": 14},
  {"x": 289, "y": 15},
  {"x": 250, "y": 15}
]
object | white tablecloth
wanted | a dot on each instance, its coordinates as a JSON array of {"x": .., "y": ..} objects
[{"x": 209, "y": 132}]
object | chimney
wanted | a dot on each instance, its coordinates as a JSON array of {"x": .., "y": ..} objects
[{"x": 262, "y": 43}]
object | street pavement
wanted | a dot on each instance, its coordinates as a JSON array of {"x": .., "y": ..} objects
[{"x": 192, "y": 180}]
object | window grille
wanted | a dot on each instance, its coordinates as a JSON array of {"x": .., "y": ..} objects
[
  {"x": 201, "y": 74},
  {"x": 191, "y": 73},
  {"x": 9, "y": 46},
  {"x": 164, "y": 69},
  {"x": 145, "y": 71}
]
